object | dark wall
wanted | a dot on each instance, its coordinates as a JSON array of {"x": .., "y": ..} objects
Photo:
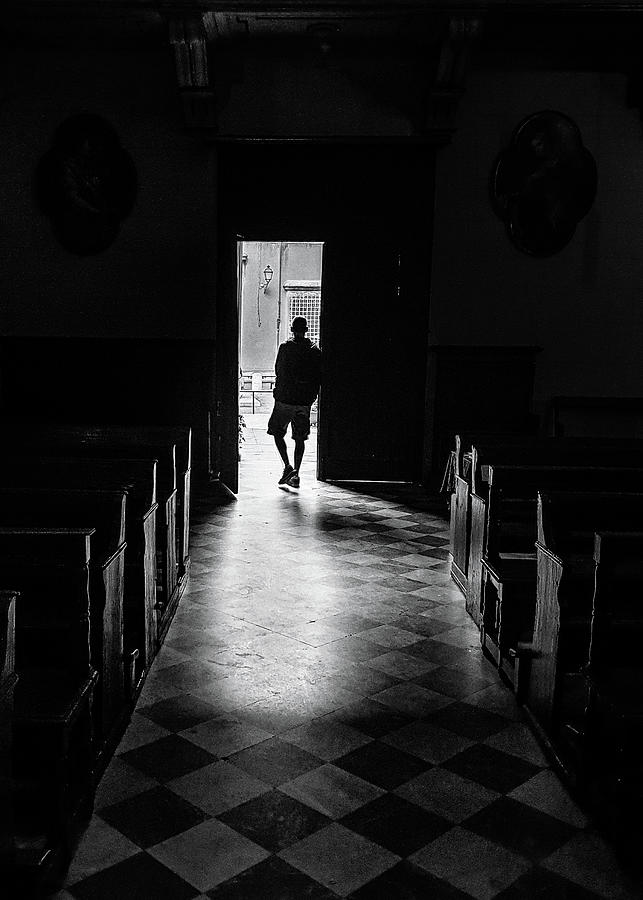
[
  {"x": 582, "y": 306},
  {"x": 127, "y": 334}
]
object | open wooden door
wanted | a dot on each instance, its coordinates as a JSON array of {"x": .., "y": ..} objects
[
  {"x": 225, "y": 427},
  {"x": 374, "y": 329}
]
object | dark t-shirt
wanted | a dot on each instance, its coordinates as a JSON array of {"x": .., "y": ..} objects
[{"x": 298, "y": 371}]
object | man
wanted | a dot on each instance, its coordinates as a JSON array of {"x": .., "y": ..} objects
[{"x": 298, "y": 371}]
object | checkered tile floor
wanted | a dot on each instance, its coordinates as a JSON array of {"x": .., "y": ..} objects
[{"x": 321, "y": 723}]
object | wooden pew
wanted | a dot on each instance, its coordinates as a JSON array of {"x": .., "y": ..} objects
[
  {"x": 508, "y": 557},
  {"x": 557, "y": 687},
  {"x": 460, "y": 518},
  {"x": 115, "y": 442},
  {"x": 182, "y": 437},
  {"x": 8, "y": 680},
  {"x": 612, "y": 726},
  {"x": 105, "y": 512},
  {"x": 568, "y": 452},
  {"x": 53, "y": 753},
  {"x": 138, "y": 478}
]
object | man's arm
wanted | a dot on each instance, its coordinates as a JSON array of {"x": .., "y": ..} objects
[{"x": 279, "y": 362}]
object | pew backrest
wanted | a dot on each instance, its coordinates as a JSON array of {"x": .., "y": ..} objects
[{"x": 617, "y": 614}]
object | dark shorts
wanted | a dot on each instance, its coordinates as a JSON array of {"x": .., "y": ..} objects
[{"x": 285, "y": 414}]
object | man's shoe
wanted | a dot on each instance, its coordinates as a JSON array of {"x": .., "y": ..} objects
[
  {"x": 293, "y": 481},
  {"x": 287, "y": 474}
]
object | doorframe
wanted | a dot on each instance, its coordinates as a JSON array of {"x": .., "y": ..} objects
[
  {"x": 237, "y": 225},
  {"x": 227, "y": 293}
]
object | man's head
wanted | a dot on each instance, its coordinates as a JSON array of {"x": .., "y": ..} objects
[{"x": 299, "y": 326}]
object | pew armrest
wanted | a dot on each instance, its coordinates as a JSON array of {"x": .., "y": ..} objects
[{"x": 523, "y": 650}]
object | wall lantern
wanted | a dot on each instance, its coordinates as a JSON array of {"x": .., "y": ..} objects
[{"x": 267, "y": 277}]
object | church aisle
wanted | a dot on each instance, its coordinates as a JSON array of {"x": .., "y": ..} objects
[{"x": 321, "y": 723}]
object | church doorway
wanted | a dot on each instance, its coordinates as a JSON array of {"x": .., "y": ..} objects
[
  {"x": 278, "y": 280},
  {"x": 371, "y": 205}
]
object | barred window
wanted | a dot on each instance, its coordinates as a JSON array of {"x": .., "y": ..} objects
[{"x": 304, "y": 299}]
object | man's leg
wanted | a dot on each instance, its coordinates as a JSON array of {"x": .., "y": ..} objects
[
  {"x": 300, "y": 446},
  {"x": 280, "y": 444}
]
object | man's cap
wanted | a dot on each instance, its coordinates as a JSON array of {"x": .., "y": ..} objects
[{"x": 299, "y": 324}]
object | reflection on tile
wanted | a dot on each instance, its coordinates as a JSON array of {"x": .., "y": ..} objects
[
  {"x": 101, "y": 846},
  {"x": 587, "y": 860},
  {"x": 208, "y": 854},
  {"x": 447, "y": 794},
  {"x": 331, "y": 790},
  {"x": 275, "y": 761},
  {"x": 429, "y": 742},
  {"x": 471, "y": 863},
  {"x": 217, "y": 787},
  {"x": 152, "y": 816},
  {"x": 339, "y": 859},
  {"x": 326, "y": 738},
  {"x": 121, "y": 781},
  {"x": 545, "y": 792}
]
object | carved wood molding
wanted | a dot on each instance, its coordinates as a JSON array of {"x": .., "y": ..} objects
[
  {"x": 189, "y": 37},
  {"x": 451, "y": 72}
]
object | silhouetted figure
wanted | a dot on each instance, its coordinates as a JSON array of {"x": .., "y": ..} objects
[{"x": 298, "y": 371}]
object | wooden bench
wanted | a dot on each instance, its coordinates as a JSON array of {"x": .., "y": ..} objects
[
  {"x": 460, "y": 507},
  {"x": 138, "y": 478},
  {"x": 567, "y": 452},
  {"x": 119, "y": 442},
  {"x": 612, "y": 725},
  {"x": 53, "y": 753},
  {"x": 103, "y": 511},
  {"x": 560, "y": 648},
  {"x": 8, "y": 680},
  {"x": 508, "y": 557}
]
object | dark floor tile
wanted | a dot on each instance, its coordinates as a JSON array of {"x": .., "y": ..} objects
[
  {"x": 437, "y": 652},
  {"x": 427, "y": 538},
  {"x": 352, "y": 622},
  {"x": 138, "y": 878},
  {"x": 275, "y": 761},
  {"x": 520, "y": 828},
  {"x": 468, "y": 721},
  {"x": 371, "y": 718},
  {"x": 381, "y": 544},
  {"x": 274, "y": 820},
  {"x": 179, "y": 713},
  {"x": 382, "y": 765},
  {"x": 540, "y": 884},
  {"x": 169, "y": 757},
  {"x": 491, "y": 768},
  {"x": 401, "y": 584},
  {"x": 406, "y": 881},
  {"x": 376, "y": 527},
  {"x": 396, "y": 824},
  {"x": 153, "y": 816},
  {"x": 272, "y": 879},
  {"x": 421, "y": 625},
  {"x": 451, "y": 682},
  {"x": 437, "y": 553}
]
